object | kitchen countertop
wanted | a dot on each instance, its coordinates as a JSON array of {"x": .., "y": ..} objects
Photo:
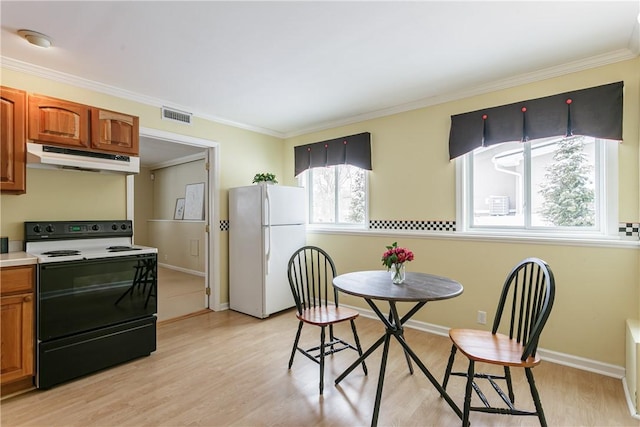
[{"x": 13, "y": 259}]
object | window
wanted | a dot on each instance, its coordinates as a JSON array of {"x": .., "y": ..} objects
[
  {"x": 337, "y": 195},
  {"x": 552, "y": 185}
]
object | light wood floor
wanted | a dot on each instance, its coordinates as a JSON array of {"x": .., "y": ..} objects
[
  {"x": 179, "y": 294},
  {"x": 226, "y": 368}
]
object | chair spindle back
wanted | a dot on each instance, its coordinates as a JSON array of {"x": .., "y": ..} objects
[
  {"x": 311, "y": 271},
  {"x": 528, "y": 294}
]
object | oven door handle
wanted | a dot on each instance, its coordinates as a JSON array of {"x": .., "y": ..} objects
[{"x": 67, "y": 264}]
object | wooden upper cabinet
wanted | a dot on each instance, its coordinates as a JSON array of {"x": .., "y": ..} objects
[
  {"x": 58, "y": 122},
  {"x": 116, "y": 132},
  {"x": 13, "y": 141},
  {"x": 63, "y": 123}
]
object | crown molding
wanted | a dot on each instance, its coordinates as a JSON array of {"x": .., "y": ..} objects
[
  {"x": 72, "y": 80},
  {"x": 532, "y": 77}
]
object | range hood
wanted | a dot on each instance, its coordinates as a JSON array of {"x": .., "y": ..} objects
[{"x": 46, "y": 156}]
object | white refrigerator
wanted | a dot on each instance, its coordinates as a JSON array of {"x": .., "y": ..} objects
[{"x": 266, "y": 226}]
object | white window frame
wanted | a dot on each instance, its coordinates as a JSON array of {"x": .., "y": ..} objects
[
  {"x": 608, "y": 226},
  {"x": 303, "y": 178}
]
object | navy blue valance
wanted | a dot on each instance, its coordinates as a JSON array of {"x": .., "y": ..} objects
[
  {"x": 595, "y": 112},
  {"x": 352, "y": 150}
]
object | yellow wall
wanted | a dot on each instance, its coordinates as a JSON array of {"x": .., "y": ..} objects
[
  {"x": 413, "y": 179},
  {"x": 143, "y": 189},
  {"x": 180, "y": 243},
  {"x": 63, "y": 195},
  {"x": 598, "y": 287},
  {"x": 169, "y": 184}
]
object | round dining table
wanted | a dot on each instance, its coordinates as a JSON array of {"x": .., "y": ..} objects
[{"x": 418, "y": 288}]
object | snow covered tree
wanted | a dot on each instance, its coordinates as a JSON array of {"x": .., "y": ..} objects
[
  {"x": 567, "y": 190},
  {"x": 356, "y": 208}
]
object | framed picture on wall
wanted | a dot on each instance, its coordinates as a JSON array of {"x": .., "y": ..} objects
[
  {"x": 179, "y": 213},
  {"x": 194, "y": 201}
]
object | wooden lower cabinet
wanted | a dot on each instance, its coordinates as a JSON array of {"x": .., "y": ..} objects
[{"x": 17, "y": 326}]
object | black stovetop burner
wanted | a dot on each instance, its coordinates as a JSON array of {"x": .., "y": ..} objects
[
  {"x": 62, "y": 252},
  {"x": 121, "y": 248}
]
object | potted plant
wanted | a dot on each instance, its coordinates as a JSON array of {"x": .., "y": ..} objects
[{"x": 269, "y": 178}]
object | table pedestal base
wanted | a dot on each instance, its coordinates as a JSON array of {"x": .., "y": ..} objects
[{"x": 394, "y": 328}]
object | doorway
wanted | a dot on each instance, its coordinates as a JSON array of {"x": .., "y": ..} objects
[{"x": 160, "y": 150}]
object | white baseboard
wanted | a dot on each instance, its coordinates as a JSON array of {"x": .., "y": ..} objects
[
  {"x": 548, "y": 355},
  {"x": 582, "y": 363},
  {"x": 183, "y": 270}
]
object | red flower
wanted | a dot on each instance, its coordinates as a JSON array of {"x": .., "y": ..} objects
[{"x": 396, "y": 255}]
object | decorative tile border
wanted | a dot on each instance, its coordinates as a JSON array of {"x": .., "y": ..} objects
[
  {"x": 412, "y": 225},
  {"x": 392, "y": 225},
  {"x": 626, "y": 230},
  {"x": 629, "y": 230}
]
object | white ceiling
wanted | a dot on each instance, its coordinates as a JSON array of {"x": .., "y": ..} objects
[{"x": 286, "y": 68}]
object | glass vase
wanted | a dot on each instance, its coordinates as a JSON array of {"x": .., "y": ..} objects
[{"x": 398, "y": 273}]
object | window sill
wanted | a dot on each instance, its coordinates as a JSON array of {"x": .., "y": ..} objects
[
  {"x": 582, "y": 241},
  {"x": 337, "y": 228}
]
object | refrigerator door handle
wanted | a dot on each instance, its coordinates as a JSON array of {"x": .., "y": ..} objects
[
  {"x": 267, "y": 228},
  {"x": 267, "y": 240}
]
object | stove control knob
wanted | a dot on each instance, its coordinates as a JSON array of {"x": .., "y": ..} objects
[
  {"x": 95, "y": 227},
  {"x": 50, "y": 228},
  {"x": 37, "y": 229},
  {"x": 123, "y": 226},
  {"x": 114, "y": 227}
]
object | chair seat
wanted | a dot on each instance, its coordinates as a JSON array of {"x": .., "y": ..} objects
[
  {"x": 323, "y": 316},
  {"x": 497, "y": 349}
]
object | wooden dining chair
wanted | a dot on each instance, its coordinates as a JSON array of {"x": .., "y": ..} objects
[
  {"x": 311, "y": 271},
  {"x": 525, "y": 303}
]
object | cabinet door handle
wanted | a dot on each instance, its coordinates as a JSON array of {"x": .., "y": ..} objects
[{"x": 27, "y": 299}]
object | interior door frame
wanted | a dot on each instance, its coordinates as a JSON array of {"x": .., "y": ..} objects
[{"x": 212, "y": 246}]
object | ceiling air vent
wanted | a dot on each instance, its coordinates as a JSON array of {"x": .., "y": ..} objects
[{"x": 176, "y": 115}]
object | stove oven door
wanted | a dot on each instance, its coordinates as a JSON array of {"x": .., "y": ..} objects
[
  {"x": 78, "y": 296},
  {"x": 92, "y": 314}
]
